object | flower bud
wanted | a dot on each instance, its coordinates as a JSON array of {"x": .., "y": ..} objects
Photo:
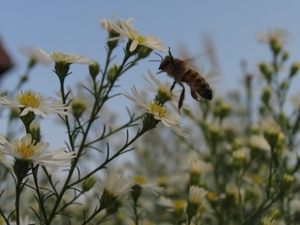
[
  {"x": 287, "y": 182},
  {"x": 271, "y": 134},
  {"x": 265, "y": 70},
  {"x": 78, "y": 108},
  {"x": 255, "y": 129},
  {"x": 284, "y": 85},
  {"x": 88, "y": 184},
  {"x": 266, "y": 95},
  {"x": 112, "y": 73},
  {"x": 239, "y": 158},
  {"x": 144, "y": 52},
  {"x": 275, "y": 46},
  {"x": 215, "y": 133},
  {"x": 35, "y": 131},
  {"x": 285, "y": 56},
  {"x": 224, "y": 110},
  {"x": 237, "y": 143},
  {"x": 94, "y": 69},
  {"x": 281, "y": 142},
  {"x": 294, "y": 68},
  {"x": 282, "y": 118}
]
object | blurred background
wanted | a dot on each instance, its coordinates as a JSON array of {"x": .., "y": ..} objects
[{"x": 72, "y": 26}]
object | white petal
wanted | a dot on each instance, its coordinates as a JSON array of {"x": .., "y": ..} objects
[{"x": 133, "y": 45}]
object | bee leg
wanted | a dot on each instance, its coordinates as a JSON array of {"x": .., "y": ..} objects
[
  {"x": 195, "y": 96},
  {"x": 180, "y": 103},
  {"x": 172, "y": 87}
]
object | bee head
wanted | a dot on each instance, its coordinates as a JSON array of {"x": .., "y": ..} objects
[{"x": 165, "y": 63}]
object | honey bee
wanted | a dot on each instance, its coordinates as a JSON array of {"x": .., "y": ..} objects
[{"x": 179, "y": 70}]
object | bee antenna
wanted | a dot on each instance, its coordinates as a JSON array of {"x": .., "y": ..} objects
[
  {"x": 171, "y": 55},
  {"x": 154, "y": 60},
  {"x": 159, "y": 56}
]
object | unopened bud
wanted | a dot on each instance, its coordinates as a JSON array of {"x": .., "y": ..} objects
[
  {"x": 224, "y": 110},
  {"x": 255, "y": 129},
  {"x": 285, "y": 56},
  {"x": 239, "y": 158},
  {"x": 294, "y": 69},
  {"x": 78, "y": 108},
  {"x": 275, "y": 46},
  {"x": 94, "y": 69},
  {"x": 287, "y": 181},
  {"x": 271, "y": 134},
  {"x": 266, "y": 94},
  {"x": 112, "y": 73},
  {"x": 144, "y": 52},
  {"x": 265, "y": 70},
  {"x": 284, "y": 85},
  {"x": 88, "y": 184},
  {"x": 35, "y": 131}
]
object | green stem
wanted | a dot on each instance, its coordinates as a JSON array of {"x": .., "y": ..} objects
[
  {"x": 93, "y": 215},
  {"x": 95, "y": 110},
  {"x": 40, "y": 198},
  {"x": 270, "y": 172},
  {"x": 18, "y": 194},
  {"x": 136, "y": 216}
]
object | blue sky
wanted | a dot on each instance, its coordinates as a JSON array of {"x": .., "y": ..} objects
[{"x": 71, "y": 26}]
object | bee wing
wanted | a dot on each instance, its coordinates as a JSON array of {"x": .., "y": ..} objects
[{"x": 209, "y": 53}]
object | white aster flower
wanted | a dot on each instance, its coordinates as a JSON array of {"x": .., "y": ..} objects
[
  {"x": 156, "y": 85},
  {"x": 197, "y": 166},
  {"x": 259, "y": 142},
  {"x": 159, "y": 113},
  {"x": 196, "y": 195},
  {"x": 107, "y": 25},
  {"x": 126, "y": 30},
  {"x": 32, "y": 55},
  {"x": 276, "y": 34},
  {"x": 27, "y": 149},
  {"x": 115, "y": 185},
  {"x": 142, "y": 182},
  {"x": 65, "y": 58},
  {"x": 29, "y": 101},
  {"x": 172, "y": 205}
]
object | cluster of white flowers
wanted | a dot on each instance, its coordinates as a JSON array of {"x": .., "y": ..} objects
[
  {"x": 160, "y": 113},
  {"x": 125, "y": 29}
]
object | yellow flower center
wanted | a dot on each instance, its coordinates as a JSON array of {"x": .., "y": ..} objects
[
  {"x": 139, "y": 38},
  {"x": 212, "y": 196},
  {"x": 179, "y": 205},
  {"x": 29, "y": 99},
  {"x": 61, "y": 57},
  {"x": 162, "y": 180},
  {"x": 25, "y": 151},
  {"x": 202, "y": 209},
  {"x": 78, "y": 107},
  {"x": 139, "y": 179},
  {"x": 256, "y": 178},
  {"x": 156, "y": 109}
]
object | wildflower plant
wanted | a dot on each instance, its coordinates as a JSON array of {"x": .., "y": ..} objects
[{"x": 218, "y": 163}]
